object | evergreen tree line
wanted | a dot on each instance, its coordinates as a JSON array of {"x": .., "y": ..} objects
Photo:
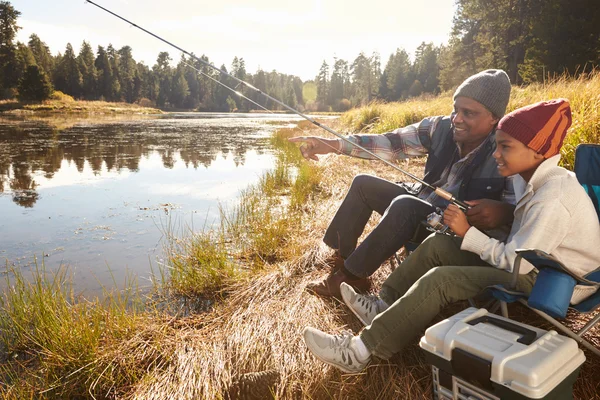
[{"x": 530, "y": 39}]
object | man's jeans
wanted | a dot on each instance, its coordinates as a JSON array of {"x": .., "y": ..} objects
[
  {"x": 424, "y": 284},
  {"x": 402, "y": 213}
]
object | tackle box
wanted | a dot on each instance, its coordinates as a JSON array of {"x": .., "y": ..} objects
[{"x": 476, "y": 355}]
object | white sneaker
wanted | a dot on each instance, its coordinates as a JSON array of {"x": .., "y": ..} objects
[
  {"x": 335, "y": 350},
  {"x": 365, "y": 307}
]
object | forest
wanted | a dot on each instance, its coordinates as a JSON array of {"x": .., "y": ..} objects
[{"x": 532, "y": 40}]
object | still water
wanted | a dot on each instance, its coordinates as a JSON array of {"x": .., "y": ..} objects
[{"x": 97, "y": 195}]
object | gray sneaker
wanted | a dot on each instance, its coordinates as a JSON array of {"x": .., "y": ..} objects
[
  {"x": 335, "y": 350},
  {"x": 365, "y": 307}
]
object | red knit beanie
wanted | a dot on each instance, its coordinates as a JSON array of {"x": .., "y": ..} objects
[{"x": 541, "y": 126}]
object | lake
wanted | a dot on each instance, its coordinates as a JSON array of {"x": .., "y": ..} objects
[{"x": 97, "y": 195}]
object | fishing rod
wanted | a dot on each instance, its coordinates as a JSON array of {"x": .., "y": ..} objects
[{"x": 438, "y": 191}]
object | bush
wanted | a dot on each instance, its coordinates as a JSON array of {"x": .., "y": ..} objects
[
  {"x": 8, "y": 93},
  {"x": 35, "y": 85},
  {"x": 58, "y": 95},
  {"x": 144, "y": 102},
  {"x": 344, "y": 105}
]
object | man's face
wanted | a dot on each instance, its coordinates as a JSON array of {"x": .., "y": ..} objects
[{"x": 472, "y": 121}]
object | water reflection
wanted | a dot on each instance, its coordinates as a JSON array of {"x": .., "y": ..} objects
[
  {"x": 30, "y": 145},
  {"x": 98, "y": 195}
]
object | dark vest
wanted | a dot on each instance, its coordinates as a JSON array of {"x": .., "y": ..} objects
[{"x": 482, "y": 179}]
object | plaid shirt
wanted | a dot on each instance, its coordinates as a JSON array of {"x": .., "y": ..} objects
[
  {"x": 452, "y": 177},
  {"x": 409, "y": 142}
]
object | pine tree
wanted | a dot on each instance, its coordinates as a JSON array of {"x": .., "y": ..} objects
[
  {"x": 67, "y": 76},
  {"x": 221, "y": 94},
  {"x": 260, "y": 82},
  {"x": 89, "y": 73},
  {"x": 23, "y": 58},
  {"x": 180, "y": 89},
  {"x": 41, "y": 53},
  {"x": 127, "y": 69},
  {"x": 113, "y": 59},
  {"x": 426, "y": 67},
  {"x": 322, "y": 81},
  {"x": 105, "y": 74},
  {"x": 163, "y": 73},
  {"x": 399, "y": 76},
  {"x": 8, "y": 30},
  {"x": 365, "y": 73},
  {"x": 35, "y": 85},
  {"x": 336, "y": 92},
  {"x": 192, "y": 100}
]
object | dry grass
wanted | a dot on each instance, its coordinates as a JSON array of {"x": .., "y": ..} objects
[{"x": 66, "y": 104}]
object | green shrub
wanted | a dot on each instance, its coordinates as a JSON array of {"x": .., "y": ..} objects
[{"x": 35, "y": 85}]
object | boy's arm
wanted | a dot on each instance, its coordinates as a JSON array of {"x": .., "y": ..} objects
[{"x": 544, "y": 228}]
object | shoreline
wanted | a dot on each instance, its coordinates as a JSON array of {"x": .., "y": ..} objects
[
  {"x": 68, "y": 106},
  {"x": 15, "y": 107}
]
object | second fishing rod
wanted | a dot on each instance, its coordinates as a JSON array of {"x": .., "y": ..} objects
[{"x": 438, "y": 191}]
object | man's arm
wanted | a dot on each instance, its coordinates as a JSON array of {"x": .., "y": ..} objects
[
  {"x": 313, "y": 145},
  {"x": 398, "y": 144},
  {"x": 487, "y": 214}
]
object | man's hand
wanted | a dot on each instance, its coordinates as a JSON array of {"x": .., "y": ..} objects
[
  {"x": 456, "y": 220},
  {"x": 486, "y": 214},
  {"x": 313, "y": 145}
]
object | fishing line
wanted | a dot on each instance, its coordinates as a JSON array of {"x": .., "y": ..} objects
[
  {"x": 439, "y": 191},
  {"x": 225, "y": 86},
  {"x": 240, "y": 94}
]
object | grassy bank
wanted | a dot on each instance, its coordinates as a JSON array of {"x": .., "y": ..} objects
[
  {"x": 61, "y": 103},
  {"x": 248, "y": 277}
]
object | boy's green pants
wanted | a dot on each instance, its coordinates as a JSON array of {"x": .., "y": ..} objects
[{"x": 436, "y": 274}]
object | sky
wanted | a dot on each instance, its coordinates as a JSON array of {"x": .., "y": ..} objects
[{"x": 288, "y": 36}]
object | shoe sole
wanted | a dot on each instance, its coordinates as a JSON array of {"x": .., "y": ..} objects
[
  {"x": 347, "y": 302},
  {"x": 348, "y": 371}
]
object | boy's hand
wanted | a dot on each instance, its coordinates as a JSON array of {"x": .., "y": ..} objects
[
  {"x": 456, "y": 220},
  {"x": 313, "y": 145},
  {"x": 488, "y": 214}
]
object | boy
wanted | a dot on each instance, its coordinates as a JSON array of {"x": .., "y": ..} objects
[{"x": 553, "y": 214}]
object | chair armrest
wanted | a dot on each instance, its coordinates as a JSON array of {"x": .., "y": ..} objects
[
  {"x": 516, "y": 268},
  {"x": 540, "y": 259}
]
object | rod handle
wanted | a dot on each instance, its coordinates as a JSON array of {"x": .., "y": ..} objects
[{"x": 448, "y": 196}]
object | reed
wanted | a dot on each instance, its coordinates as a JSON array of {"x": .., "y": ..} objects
[{"x": 57, "y": 345}]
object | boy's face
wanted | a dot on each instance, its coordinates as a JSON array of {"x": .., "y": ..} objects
[
  {"x": 513, "y": 157},
  {"x": 472, "y": 121}
]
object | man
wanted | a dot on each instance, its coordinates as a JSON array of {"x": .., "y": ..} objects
[{"x": 459, "y": 149}]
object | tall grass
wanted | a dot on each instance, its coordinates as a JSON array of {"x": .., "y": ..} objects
[{"x": 58, "y": 345}]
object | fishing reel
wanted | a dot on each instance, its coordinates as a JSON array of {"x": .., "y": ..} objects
[{"x": 435, "y": 223}]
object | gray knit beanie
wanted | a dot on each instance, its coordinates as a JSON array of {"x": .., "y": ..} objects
[{"x": 490, "y": 88}]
